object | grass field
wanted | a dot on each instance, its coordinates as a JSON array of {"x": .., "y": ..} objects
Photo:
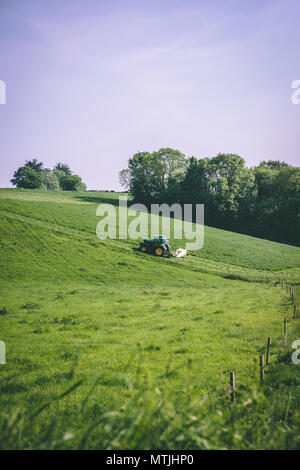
[{"x": 146, "y": 339}]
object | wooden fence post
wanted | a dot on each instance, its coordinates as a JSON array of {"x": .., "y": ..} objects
[
  {"x": 232, "y": 387},
  {"x": 261, "y": 367},
  {"x": 284, "y": 331},
  {"x": 268, "y": 352}
]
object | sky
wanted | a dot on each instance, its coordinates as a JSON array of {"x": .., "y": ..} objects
[{"x": 91, "y": 82}]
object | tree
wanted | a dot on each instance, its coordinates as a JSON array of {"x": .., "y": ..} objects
[
  {"x": 173, "y": 165},
  {"x": 195, "y": 186},
  {"x": 72, "y": 183},
  {"x": 288, "y": 195},
  {"x": 277, "y": 203},
  {"x": 272, "y": 164},
  {"x": 222, "y": 183},
  {"x": 143, "y": 177},
  {"x": 26, "y": 177},
  {"x": 230, "y": 180},
  {"x": 64, "y": 168},
  {"x": 50, "y": 180},
  {"x": 59, "y": 174},
  {"x": 33, "y": 175},
  {"x": 34, "y": 165},
  {"x": 154, "y": 177},
  {"x": 124, "y": 179}
]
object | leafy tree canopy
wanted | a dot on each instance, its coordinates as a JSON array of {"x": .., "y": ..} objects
[
  {"x": 64, "y": 168},
  {"x": 35, "y": 165},
  {"x": 72, "y": 183},
  {"x": 150, "y": 177},
  {"x": 26, "y": 177},
  {"x": 33, "y": 175},
  {"x": 273, "y": 164},
  {"x": 262, "y": 201},
  {"x": 50, "y": 180}
]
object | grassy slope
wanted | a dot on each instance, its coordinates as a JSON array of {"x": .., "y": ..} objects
[{"x": 70, "y": 295}]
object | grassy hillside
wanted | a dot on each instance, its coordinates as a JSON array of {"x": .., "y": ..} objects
[{"x": 81, "y": 309}]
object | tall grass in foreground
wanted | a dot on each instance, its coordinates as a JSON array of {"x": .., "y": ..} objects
[{"x": 154, "y": 418}]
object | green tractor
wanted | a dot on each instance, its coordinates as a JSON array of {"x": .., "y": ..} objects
[{"x": 159, "y": 245}]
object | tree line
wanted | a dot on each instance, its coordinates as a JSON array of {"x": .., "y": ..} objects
[
  {"x": 262, "y": 201},
  {"x": 33, "y": 175}
]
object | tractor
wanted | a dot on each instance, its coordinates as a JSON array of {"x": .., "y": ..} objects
[{"x": 159, "y": 245}]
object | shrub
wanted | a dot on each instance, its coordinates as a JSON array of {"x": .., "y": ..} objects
[{"x": 72, "y": 183}]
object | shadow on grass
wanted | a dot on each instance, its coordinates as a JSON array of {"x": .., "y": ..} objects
[{"x": 99, "y": 200}]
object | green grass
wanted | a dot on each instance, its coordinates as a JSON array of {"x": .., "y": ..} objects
[{"x": 81, "y": 309}]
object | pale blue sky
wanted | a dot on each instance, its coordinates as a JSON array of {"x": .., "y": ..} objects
[{"x": 91, "y": 82}]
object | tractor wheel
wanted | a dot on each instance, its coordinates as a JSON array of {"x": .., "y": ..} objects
[
  {"x": 144, "y": 248},
  {"x": 159, "y": 251}
]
